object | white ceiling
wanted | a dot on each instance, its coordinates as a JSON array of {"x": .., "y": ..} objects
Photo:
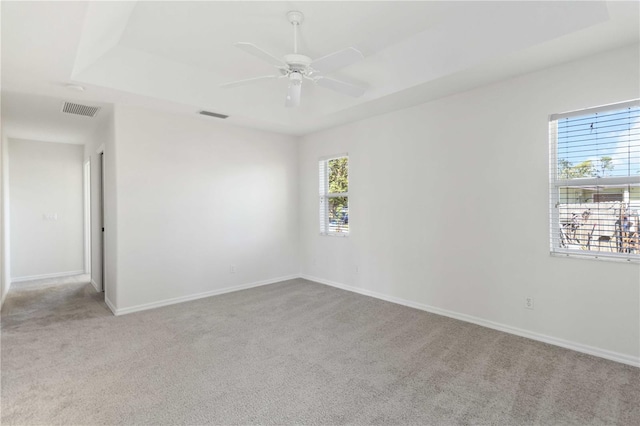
[{"x": 174, "y": 55}]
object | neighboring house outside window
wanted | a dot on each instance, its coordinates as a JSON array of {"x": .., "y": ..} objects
[
  {"x": 595, "y": 182},
  {"x": 334, "y": 195}
]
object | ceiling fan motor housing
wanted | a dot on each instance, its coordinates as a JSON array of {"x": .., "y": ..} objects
[{"x": 297, "y": 62}]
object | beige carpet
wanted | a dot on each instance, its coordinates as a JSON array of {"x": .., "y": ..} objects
[{"x": 293, "y": 352}]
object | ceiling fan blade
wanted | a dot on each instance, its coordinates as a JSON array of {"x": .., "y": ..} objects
[
  {"x": 341, "y": 86},
  {"x": 293, "y": 95},
  {"x": 335, "y": 61},
  {"x": 254, "y": 50},
  {"x": 247, "y": 81}
]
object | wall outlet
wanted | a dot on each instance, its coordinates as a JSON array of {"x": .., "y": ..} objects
[
  {"x": 528, "y": 302},
  {"x": 233, "y": 268},
  {"x": 357, "y": 269},
  {"x": 50, "y": 216}
]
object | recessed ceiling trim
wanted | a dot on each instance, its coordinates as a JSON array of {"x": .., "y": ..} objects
[{"x": 79, "y": 109}]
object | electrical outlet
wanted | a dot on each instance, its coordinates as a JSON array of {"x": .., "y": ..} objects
[
  {"x": 233, "y": 269},
  {"x": 528, "y": 302},
  {"x": 357, "y": 269},
  {"x": 50, "y": 216}
]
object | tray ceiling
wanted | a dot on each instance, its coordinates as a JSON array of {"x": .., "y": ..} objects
[{"x": 174, "y": 55}]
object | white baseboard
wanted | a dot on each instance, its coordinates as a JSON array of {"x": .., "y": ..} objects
[
  {"x": 166, "y": 302},
  {"x": 4, "y": 295},
  {"x": 43, "y": 276},
  {"x": 110, "y": 305},
  {"x": 95, "y": 285},
  {"x": 579, "y": 347}
]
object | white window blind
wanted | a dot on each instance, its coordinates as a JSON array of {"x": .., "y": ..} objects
[
  {"x": 334, "y": 195},
  {"x": 595, "y": 182}
]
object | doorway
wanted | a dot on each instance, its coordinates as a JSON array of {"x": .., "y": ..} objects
[
  {"x": 101, "y": 210},
  {"x": 97, "y": 258}
]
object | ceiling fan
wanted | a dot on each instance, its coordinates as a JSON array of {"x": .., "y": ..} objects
[{"x": 297, "y": 67}]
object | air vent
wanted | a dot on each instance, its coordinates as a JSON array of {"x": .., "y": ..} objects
[
  {"x": 213, "y": 114},
  {"x": 77, "y": 109}
]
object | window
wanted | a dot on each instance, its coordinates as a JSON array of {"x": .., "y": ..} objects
[
  {"x": 595, "y": 182},
  {"x": 334, "y": 195}
]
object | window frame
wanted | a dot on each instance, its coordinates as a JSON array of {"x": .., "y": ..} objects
[
  {"x": 324, "y": 196},
  {"x": 555, "y": 184}
]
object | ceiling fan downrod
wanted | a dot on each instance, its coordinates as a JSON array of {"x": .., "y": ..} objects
[{"x": 295, "y": 17}]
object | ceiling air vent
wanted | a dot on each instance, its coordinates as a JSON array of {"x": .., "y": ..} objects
[
  {"x": 77, "y": 109},
  {"x": 213, "y": 114}
]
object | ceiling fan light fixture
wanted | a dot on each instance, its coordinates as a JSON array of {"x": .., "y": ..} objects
[
  {"x": 295, "y": 78},
  {"x": 294, "y": 90}
]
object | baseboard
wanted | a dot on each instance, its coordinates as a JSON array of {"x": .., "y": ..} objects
[
  {"x": 4, "y": 295},
  {"x": 95, "y": 285},
  {"x": 567, "y": 344},
  {"x": 43, "y": 276},
  {"x": 110, "y": 305},
  {"x": 173, "y": 301}
]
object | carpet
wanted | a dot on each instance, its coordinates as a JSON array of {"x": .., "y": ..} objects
[{"x": 295, "y": 352}]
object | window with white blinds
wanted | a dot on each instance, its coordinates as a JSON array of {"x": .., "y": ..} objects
[
  {"x": 334, "y": 195},
  {"x": 595, "y": 182}
]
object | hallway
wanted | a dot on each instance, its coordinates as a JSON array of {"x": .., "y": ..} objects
[{"x": 37, "y": 303}]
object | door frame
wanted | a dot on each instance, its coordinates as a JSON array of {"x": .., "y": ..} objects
[
  {"x": 86, "y": 170},
  {"x": 97, "y": 219},
  {"x": 103, "y": 244}
]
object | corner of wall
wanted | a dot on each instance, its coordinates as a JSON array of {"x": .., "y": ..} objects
[
  {"x": 2, "y": 284},
  {"x": 5, "y": 269},
  {"x": 111, "y": 211},
  {"x": 298, "y": 260},
  {"x": 103, "y": 141}
]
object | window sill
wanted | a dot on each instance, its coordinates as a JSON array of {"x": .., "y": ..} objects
[
  {"x": 335, "y": 234},
  {"x": 606, "y": 257}
]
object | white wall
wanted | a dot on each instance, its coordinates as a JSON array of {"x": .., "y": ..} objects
[
  {"x": 45, "y": 178},
  {"x": 424, "y": 186},
  {"x": 194, "y": 196}
]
